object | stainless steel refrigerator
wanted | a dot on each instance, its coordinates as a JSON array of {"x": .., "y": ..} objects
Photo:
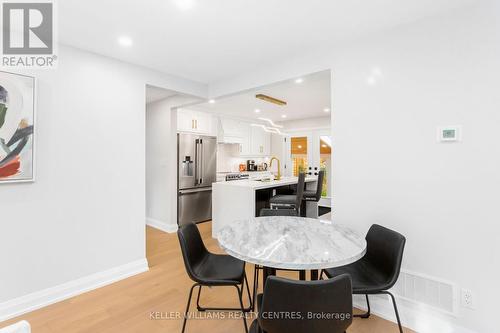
[{"x": 196, "y": 169}]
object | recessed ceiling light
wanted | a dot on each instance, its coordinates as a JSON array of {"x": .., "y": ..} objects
[
  {"x": 324, "y": 146},
  {"x": 299, "y": 146},
  {"x": 283, "y": 116},
  {"x": 212, "y": 101},
  {"x": 125, "y": 41},
  {"x": 257, "y": 111},
  {"x": 326, "y": 109},
  {"x": 299, "y": 80},
  {"x": 184, "y": 4}
]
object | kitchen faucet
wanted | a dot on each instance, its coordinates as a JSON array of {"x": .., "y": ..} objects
[{"x": 278, "y": 177}]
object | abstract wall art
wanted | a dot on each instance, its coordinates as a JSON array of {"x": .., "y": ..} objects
[{"x": 17, "y": 124}]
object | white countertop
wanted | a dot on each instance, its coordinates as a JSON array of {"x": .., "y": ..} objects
[
  {"x": 254, "y": 184},
  {"x": 292, "y": 242}
]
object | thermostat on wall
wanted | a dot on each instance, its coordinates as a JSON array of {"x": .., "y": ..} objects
[{"x": 449, "y": 133}]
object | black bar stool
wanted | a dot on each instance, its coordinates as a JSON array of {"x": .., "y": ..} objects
[
  {"x": 290, "y": 201},
  {"x": 316, "y": 195}
]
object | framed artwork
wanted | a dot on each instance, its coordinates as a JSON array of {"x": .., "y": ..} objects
[{"x": 17, "y": 126}]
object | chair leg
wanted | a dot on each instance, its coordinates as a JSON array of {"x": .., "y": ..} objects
[
  {"x": 395, "y": 310},
  {"x": 187, "y": 307},
  {"x": 366, "y": 314},
  {"x": 255, "y": 286},
  {"x": 245, "y": 280},
  {"x": 240, "y": 296},
  {"x": 202, "y": 309}
]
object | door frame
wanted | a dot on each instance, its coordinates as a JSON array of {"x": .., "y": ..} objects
[{"x": 313, "y": 154}]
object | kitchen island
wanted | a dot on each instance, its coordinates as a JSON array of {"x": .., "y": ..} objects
[{"x": 243, "y": 199}]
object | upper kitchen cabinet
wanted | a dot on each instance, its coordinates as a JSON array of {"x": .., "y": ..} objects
[
  {"x": 260, "y": 141},
  {"x": 196, "y": 122}
]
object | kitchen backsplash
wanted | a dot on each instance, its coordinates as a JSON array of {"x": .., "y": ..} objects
[{"x": 228, "y": 158}]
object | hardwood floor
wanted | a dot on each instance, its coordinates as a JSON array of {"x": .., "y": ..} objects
[{"x": 130, "y": 305}]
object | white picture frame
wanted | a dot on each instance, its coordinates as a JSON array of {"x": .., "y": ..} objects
[{"x": 23, "y": 115}]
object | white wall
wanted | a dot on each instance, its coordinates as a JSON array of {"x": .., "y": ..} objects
[
  {"x": 86, "y": 211},
  {"x": 161, "y": 162},
  {"x": 388, "y": 167}
]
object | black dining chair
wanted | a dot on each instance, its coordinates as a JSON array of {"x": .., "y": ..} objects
[
  {"x": 286, "y": 306},
  {"x": 378, "y": 270},
  {"x": 210, "y": 270},
  {"x": 290, "y": 201}
]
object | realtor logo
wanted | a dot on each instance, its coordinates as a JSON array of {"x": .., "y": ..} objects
[{"x": 28, "y": 34}]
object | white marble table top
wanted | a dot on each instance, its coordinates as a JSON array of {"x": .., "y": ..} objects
[{"x": 292, "y": 242}]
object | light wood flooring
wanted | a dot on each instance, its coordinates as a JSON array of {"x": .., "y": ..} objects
[{"x": 127, "y": 305}]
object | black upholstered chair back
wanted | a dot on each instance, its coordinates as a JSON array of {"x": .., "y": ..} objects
[
  {"x": 277, "y": 212},
  {"x": 333, "y": 296},
  {"x": 192, "y": 247},
  {"x": 300, "y": 190},
  {"x": 384, "y": 251},
  {"x": 319, "y": 188}
]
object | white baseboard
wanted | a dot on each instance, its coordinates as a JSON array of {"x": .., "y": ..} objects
[
  {"x": 418, "y": 317},
  {"x": 20, "y": 327},
  {"x": 39, "y": 299},
  {"x": 161, "y": 225}
]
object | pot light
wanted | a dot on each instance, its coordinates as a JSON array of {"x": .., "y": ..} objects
[
  {"x": 184, "y": 4},
  {"x": 299, "y": 80},
  {"x": 257, "y": 111},
  {"x": 299, "y": 146},
  {"x": 326, "y": 110},
  {"x": 324, "y": 146},
  {"x": 212, "y": 101},
  {"x": 283, "y": 116},
  {"x": 125, "y": 41}
]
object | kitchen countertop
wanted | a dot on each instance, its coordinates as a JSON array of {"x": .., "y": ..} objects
[{"x": 256, "y": 185}]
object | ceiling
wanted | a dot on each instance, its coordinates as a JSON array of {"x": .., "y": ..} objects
[
  {"x": 310, "y": 97},
  {"x": 208, "y": 41},
  {"x": 154, "y": 94}
]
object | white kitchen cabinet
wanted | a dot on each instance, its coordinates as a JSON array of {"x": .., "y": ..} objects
[
  {"x": 195, "y": 122},
  {"x": 260, "y": 141},
  {"x": 245, "y": 145}
]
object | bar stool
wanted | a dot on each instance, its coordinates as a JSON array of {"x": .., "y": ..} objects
[
  {"x": 315, "y": 195},
  {"x": 292, "y": 201}
]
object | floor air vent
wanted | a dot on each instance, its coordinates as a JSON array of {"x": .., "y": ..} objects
[{"x": 439, "y": 294}]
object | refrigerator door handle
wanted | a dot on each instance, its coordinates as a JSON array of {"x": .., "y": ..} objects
[
  {"x": 195, "y": 162},
  {"x": 195, "y": 190},
  {"x": 201, "y": 162}
]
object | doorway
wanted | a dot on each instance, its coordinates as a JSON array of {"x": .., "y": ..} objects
[{"x": 310, "y": 152}]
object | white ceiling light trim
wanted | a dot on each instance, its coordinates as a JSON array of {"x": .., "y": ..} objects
[
  {"x": 271, "y": 122},
  {"x": 268, "y": 129}
]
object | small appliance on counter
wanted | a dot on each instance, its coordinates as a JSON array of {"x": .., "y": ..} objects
[
  {"x": 235, "y": 176},
  {"x": 251, "y": 166},
  {"x": 243, "y": 167}
]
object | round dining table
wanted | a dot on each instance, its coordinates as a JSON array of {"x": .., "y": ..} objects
[{"x": 293, "y": 243}]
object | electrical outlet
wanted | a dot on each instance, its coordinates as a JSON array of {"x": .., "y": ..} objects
[{"x": 468, "y": 299}]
